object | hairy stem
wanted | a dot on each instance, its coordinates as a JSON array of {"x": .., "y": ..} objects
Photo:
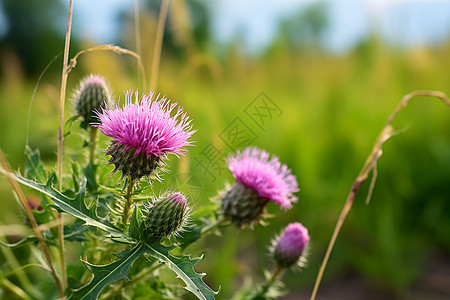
[
  {"x": 28, "y": 211},
  {"x": 158, "y": 44},
  {"x": 369, "y": 165},
  {"x": 93, "y": 144},
  {"x": 128, "y": 201}
]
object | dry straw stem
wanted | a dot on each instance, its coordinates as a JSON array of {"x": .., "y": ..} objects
[
  {"x": 108, "y": 47},
  {"x": 6, "y": 170},
  {"x": 158, "y": 44},
  {"x": 62, "y": 99},
  {"x": 369, "y": 165},
  {"x": 137, "y": 37}
]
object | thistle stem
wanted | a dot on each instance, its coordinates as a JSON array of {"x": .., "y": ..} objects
[
  {"x": 221, "y": 222},
  {"x": 276, "y": 272},
  {"x": 92, "y": 144},
  {"x": 128, "y": 201},
  {"x": 262, "y": 292}
]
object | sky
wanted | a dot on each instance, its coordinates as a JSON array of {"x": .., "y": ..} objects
[{"x": 400, "y": 22}]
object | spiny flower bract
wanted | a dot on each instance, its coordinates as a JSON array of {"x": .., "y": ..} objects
[
  {"x": 144, "y": 132},
  {"x": 266, "y": 176},
  {"x": 165, "y": 216}
]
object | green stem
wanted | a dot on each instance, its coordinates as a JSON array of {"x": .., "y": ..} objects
[
  {"x": 20, "y": 274},
  {"x": 128, "y": 201},
  {"x": 220, "y": 222},
  {"x": 14, "y": 289},
  {"x": 262, "y": 292},
  {"x": 276, "y": 272},
  {"x": 93, "y": 144}
]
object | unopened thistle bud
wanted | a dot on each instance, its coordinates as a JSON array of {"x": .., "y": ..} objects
[
  {"x": 290, "y": 246},
  {"x": 259, "y": 180},
  {"x": 92, "y": 95},
  {"x": 164, "y": 217},
  {"x": 144, "y": 133}
]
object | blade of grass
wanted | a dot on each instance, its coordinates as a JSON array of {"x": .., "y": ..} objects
[
  {"x": 62, "y": 99},
  {"x": 20, "y": 274},
  {"x": 113, "y": 48},
  {"x": 158, "y": 44},
  {"x": 21, "y": 196},
  {"x": 34, "y": 94},
  {"x": 369, "y": 165},
  {"x": 137, "y": 37},
  {"x": 14, "y": 289}
]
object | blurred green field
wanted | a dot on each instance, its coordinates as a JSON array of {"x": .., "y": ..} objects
[{"x": 332, "y": 109}]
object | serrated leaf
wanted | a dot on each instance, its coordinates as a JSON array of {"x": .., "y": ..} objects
[
  {"x": 184, "y": 268},
  {"x": 106, "y": 274},
  {"x": 91, "y": 172},
  {"x": 76, "y": 231},
  {"x": 75, "y": 207}
]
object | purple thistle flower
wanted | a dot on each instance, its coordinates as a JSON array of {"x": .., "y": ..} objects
[
  {"x": 144, "y": 132},
  {"x": 291, "y": 245},
  {"x": 267, "y": 177},
  {"x": 259, "y": 180}
]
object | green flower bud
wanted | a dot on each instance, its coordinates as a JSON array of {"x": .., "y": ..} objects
[
  {"x": 91, "y": 96},
  {"x": 164, "y": 217}
]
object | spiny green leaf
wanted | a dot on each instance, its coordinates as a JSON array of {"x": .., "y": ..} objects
[
  {"x": 76, "y": 207},
  {"x": 184, "y": 268},
  {"x": 76, "y": 231},
  {"x": 104, "y": 275},
  {"x": 90, "y": 172}
]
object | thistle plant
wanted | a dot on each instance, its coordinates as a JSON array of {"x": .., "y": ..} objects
[{"x": 144, "y": 133}]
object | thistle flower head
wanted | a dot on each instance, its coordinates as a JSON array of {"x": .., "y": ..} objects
[
  {"x": 265, "y": 176},
  {"x": 163, "y": 217},
  {"x": 143, "y": 133},
  {"x": 91, "y": 95},
  {"x": 290, "y": 245},
  {"x": 258, "y": 181}
]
